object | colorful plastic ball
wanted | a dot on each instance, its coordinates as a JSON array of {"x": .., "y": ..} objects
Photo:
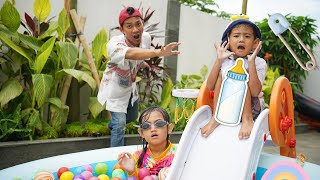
[
  {"x": 101, "y": 168},
  {"x": 117, "y": 172},
  {"x": 122, "y": 176},
  {"x": 62, "y": 170},
  {"x": 118, "y": 166},
  {"x": 94, "y": 178},
  {"x": 143, "y": 172},
  {"x": 148, "y": 178},
  {"x": 132, "y": 178},
  {"x": 116, "y": 178},
  {"x": 103, "y": 177},
  {"x": 43, "y": 175},
  {"x": 87, "y": 167},
  {"x": 79, "y": 170},
  {"x": 87, "y": 175},
  {"x": 66, "y": 175},
  {"x": 78, "y": 177}
]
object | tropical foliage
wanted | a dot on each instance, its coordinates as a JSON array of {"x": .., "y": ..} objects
[{"x": 35, "y": 67}]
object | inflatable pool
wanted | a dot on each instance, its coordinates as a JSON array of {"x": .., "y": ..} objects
[{"x": 108, "y": 156}]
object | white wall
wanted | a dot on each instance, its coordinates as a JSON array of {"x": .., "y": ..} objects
[
  {"x": 198, "y": 33},
  {"x": 311, "y": 85}
]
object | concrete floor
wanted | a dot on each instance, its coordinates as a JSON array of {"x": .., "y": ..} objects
[{"x": 307, "y": 143}]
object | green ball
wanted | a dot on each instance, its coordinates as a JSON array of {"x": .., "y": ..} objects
[
  {"x": 117, "y": 172},
  {"x": 101, "y": 168}
]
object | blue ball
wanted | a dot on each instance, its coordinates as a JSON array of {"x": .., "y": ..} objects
[
  {"x": 79, "y": 170},
  {"x": 122, "y": 176}
]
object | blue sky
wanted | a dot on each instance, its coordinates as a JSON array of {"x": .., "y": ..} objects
[{"x": 259, "y": 9}]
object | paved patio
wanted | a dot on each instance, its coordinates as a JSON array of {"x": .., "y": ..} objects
[{"x": 307, "y": 143}]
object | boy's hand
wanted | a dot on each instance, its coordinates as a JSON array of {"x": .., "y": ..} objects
[
  {"x": 255, "y": 53},
  {"x": 222, "y": 52},
  {"x": 126, "y": 160}
]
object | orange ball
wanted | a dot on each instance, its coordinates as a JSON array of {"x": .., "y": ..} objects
[
  {"x": 116, "y": 178},
  {"x": 118, "y": 166}
]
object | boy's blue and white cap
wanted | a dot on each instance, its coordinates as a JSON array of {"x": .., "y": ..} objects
[{"x": 241, "y": 21}]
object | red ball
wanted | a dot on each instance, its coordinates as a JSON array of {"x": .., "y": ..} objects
[
  {"x": 62, "y": 170},
  {"x": 143, "y": 172}
]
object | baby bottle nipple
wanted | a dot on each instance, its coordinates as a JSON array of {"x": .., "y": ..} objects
[{"x": 238, "y": 68}]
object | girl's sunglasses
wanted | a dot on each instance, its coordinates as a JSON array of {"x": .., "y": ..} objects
[{"x": 158, "y": 124}]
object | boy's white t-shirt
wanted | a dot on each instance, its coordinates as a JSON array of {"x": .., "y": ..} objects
[{"x": 118, "y": 81}]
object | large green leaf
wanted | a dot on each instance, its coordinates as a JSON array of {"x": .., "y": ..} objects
[
  {"x": 99, "y": 46},
  {"x": 42, "y": 84},
  {"x": 53, "y": 26},
  {"x": 10, "y": 16},
  {"x": 15, "y": 47},
  {"x": 59, "y": 114},
  {"x": 166, "y": 94},
  {"x": 68, "y": 54},
  {"x": 63, "y": 23},
  {"x": 43, "y": 54},
  {"x": 30, "y": 41},
  {"x": 95, "y": 107},
  {"x": 79, "y": 75},
  {"x": 41, "y": 9},
  {"x": 10, "y": 90}
]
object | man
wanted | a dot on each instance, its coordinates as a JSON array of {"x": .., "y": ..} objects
[{"x": 127, "y": 53}]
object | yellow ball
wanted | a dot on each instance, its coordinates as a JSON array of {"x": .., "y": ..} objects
[
  {"x": 66, "y": 175},
  {"x": 103, "y": 177}
]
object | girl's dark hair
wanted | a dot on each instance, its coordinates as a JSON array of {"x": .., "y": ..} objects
[{"x": 145, "y": 116}]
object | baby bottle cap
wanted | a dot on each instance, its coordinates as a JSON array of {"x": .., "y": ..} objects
[
  {"x": 238, "y": 72},
  {"x": 238, "y": 68}
]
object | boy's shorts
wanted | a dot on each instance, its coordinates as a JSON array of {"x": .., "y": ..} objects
[{"x": 256, "y": 107}]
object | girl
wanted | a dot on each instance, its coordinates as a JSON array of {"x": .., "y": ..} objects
[{"x": 157, "y": 151}]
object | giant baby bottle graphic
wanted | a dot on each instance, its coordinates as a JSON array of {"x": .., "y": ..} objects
[{"x": 232, "y": 95}]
